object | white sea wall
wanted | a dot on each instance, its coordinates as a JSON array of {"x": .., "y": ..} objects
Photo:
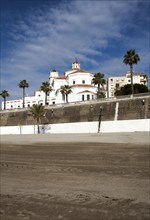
[{"x": 81, "y": 127}]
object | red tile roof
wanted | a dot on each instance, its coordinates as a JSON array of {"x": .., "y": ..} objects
[
  {"x": 75, "y": 70},
  {"x": 61, "y": 77}
]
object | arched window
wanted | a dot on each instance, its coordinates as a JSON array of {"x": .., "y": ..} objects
[{"x": 88, "y": 97}]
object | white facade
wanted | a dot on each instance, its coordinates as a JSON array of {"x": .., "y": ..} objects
[
  {"x": 118, "y": 82},
  {"x": 79, "y": 80},
  {"x": 39, "y": 97}
]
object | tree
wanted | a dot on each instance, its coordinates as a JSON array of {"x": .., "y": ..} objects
[
  {"x": 126, "y": 89},
  {"x": 4, "y": 95},
  {"x": 47, "y": 89},
  {"x": 65, "y": 91},
  {"x": 38, "y": 111},
  {"x": 23, "y": 84},
  {"x": 100, "y": 81},
  {"x": 131, "y": 58}
]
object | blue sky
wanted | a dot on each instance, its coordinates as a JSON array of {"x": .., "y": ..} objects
[{"x": 40, "y": 35}]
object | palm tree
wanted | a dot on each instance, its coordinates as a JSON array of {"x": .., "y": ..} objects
[
  {"x": 65, "y": 91},
  {"x": 38, "y": 111},
  {"x": 23, "y": 84},
  {"x": 4, "y": 94},
  {"x": 100, "y": 81},
  {"x": 131, "y": 58},
  {"x": 47, "y": 89}
]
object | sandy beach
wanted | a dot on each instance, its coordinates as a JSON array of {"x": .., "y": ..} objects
[
  {"x": 75, "y": 176},
  {"x": 127, "y": 137}
]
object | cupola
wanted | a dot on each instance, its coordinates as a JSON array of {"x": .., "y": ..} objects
[
  {"x": 53, "y": 74},
  {"x": 75, "y": 65}
]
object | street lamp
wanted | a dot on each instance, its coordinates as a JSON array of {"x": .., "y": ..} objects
[{"x": 100, "y": 118}]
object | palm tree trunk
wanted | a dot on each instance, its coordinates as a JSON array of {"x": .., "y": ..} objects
[
  {"x": 23, "y": 97},
  {"x": 38, "y": 126},
  {"x": 38, "y": 129},
  {"x": 45, "y": 98},
  {"x": 66, "y": 98},
  {"x": 63, "y": 98},
  {"x": 4, "y": 103},
  {"x": 131, "y": 71},
  {"x": 98, "y": 92}
]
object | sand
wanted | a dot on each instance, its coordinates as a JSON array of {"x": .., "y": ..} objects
[
  {"x": 127, "y": 137},
  {"x": 75, "y": 177}
]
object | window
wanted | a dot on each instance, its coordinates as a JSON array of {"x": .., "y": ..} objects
[
  {"x": 117, "y": 85},
  {"x": 111, "y": 80},
  {"x": 82, "y": 97},
  {"x": 88, "y": 97},
  {"x": 28, "y": 105},
  {"x": 92, "y": 96},
  {"x": 83, "y": 81},
  {"x": 74, "y": 82}
]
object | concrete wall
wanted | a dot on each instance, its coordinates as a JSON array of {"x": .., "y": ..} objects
[
  {"x": 117, "y": 115},
  {"x": 81, "y": 127},
  {"x": 118, "y": 109}
]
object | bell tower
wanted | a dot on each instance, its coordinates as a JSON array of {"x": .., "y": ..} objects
[
  {"x": 75, "y": 65},
  {"x": 52, "y": 76}
]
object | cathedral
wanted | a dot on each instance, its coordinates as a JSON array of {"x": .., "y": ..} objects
[{"x": 78, "y": 79}]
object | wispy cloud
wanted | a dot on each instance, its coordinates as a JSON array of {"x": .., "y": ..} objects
[{"x": 52, "y": 37}]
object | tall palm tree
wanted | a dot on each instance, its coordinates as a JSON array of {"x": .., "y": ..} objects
[
  {"x": 100, "y": 81},
  {"x": 47, "y": 89},
  {"x": 23, "y": 84},
  {"x": 131, "y": 58},
  {"x": 38, "y": 111},
  {"x": 65, "y": 91},
  {"x": 4, "y": 95}
]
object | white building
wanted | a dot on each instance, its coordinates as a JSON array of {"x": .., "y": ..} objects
[
  {"x": 39, "y": 97},
  {"x": 119, "y": 81},
  {"x": 81, "y": 85},
  {"x": 79, "y": 80}
]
